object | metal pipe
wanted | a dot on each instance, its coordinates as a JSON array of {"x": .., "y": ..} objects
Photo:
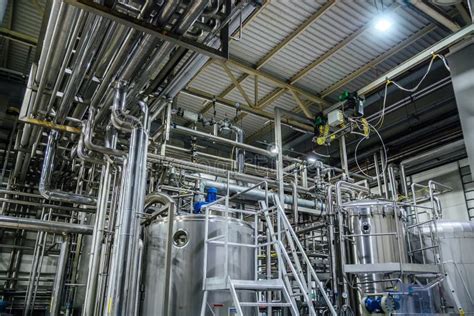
[
  {"x": 93, "y": 39},
  {"x": 158, "y": 197},
  {"x": 332, "y": 243},
  {"x": 120, "y": 292},
  {"x": 446, "y": 149},
  {"x": 46, "y": 173},
  {"x": 38, "y": 225},
  {"x": 167, "y": 11},
  {"x": 226, "y": 141},
  {"x": 97, "y": 242},
  {"x": 383, "y": 163},
  {"x": 377, "y": 174},
  {"x": 87, "y": 131},
  {"x": 60, "y": 276},
  {"x": 240, "y": 153},
  {"x": 119, "y": 118},
  {"x": 257, "y": 195},
  {"x": 393, "y": 183},
  {"x": 342, "y": 185}
]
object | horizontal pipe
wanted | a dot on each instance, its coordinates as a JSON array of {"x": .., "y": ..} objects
[
  {"x": 188, "y": 131},
  {"x": 46, "y": 174},
  {"x": 31, "y": 224},
  {"x": 437, "y": 152},
  {"x": 257, "y": 194}
]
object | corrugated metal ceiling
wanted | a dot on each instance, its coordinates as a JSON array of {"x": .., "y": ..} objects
[
  {"x": 23, "y": 16},
  {"x": 349, "y": 21}
]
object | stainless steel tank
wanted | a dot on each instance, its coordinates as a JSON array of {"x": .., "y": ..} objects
[
  {"x": 377, "y": 237},
  {"x": 187, "y": 265},
  {"x": 457, "y": 254}
]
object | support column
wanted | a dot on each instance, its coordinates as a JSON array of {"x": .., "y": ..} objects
[{"x": 461, "y": 62}]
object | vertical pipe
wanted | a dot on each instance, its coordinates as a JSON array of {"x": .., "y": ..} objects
[
  {"x": 60, "y": 276},
  {"x": 304, "y": 176},
  {"x": 97, "y": 239},
  {"x": 377, "y": 174},
  {"x": 383, "y": 163},
  {"x": 393, "y": 183},
  {"x": 403, "y": 179},
  {"x": 279, "y": 174},
  {"x": 343, "y": 153}
]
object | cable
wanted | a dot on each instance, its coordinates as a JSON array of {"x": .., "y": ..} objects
[
  {"x": 382, "y": 114},
  {"x": 383, "y": 146},
  {"x": 420, "y": 82}
]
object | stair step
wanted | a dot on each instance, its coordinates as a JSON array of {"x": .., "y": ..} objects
[
  {"x": 265, "y": 304},
  {"x": 273, "y": 284}
]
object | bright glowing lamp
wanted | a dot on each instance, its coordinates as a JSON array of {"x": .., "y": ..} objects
[{"x": 383, "y": 24}]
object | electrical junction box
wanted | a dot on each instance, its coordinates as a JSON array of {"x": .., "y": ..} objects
[{"x": 335, "y": 118}]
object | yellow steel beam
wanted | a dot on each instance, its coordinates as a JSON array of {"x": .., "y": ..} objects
[{"x": 51, "y": 125}]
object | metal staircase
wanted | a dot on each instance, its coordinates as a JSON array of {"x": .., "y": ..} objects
[
  {"x": 272, "y": 285},
  {"x": 280, "y": 281}
]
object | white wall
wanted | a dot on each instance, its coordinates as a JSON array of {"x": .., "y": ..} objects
[{"x": 453, "y": 203}]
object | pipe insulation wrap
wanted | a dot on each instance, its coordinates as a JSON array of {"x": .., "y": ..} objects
[
  {"x": 257, "y": 194},
  {"x": 31, "y": 224}
]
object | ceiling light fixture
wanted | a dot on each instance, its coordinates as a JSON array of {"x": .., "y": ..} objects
[{"x": 383, "y": 24}]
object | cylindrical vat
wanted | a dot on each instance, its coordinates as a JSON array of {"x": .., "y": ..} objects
[
  {"x": 376, "y": 236},
  {"x": 456, "y": 240},
  {"x": 187, "y": 261}
]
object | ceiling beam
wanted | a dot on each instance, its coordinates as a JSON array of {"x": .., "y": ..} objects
[
  {"x": 275, "y": 81},
  {"x": 22, "y": 38},
  {"x": 236, "y": 84},
  {"x": 244, "y": 108},
  {"x": 302, "y": 106},
  {"x": 301, "y": 74},
  {"x": 207, "y": 105},
  {"x": 463, "y": 13},
  {"x": 435, "y": 15},
  {"x": 374, "y": 62},
  {"x": 303, "y": 27}
]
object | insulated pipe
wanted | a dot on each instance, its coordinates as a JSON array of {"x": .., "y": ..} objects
[
  {"x": 447, "y": 149},
  {"x": 58, "y": 29},
  {"x": 240, "y": 153},
  {"x": 3, "y": 9},
  {"x": 332, "y": 243},
  {"x": 167, "y": 11},
  {"x": 191, "y": 13},
  {"x": 188, "y": 131},
  {"x": 46, "y": 173},
  {"x": 340, "y": 186},
  {"x": 38, "y": 225},
  {"x": 158, "y": 197},
  {"x": 119, "y": 118},
  {"x": 83, "y": 155},
  {"x": 121, "y": 295},
  {"x": 88, "y": 138},
  {"x": 257, "y": 194},
  {"x": 97, "y": 241},
  {"x": 93, "y": 39},
  {"x": 60, "y": 276}
]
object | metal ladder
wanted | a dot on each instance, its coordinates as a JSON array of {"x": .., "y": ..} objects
[
  {"x": 296, "y": 260},
  {"x": 269, "y": 292},
  {"x": 271, "y": 285},
  {"x": 468, "y": 189}
]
